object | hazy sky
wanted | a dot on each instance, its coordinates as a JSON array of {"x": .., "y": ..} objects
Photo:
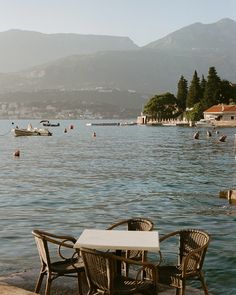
[{"x": 143, "y": 21}]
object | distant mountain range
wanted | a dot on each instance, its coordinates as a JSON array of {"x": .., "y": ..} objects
[
  {"x": 32, "y": 61},
  {"x": 20, "y": 50}
]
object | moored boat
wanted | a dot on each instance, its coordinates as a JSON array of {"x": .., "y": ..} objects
[
  {"x": 30, "y": 131},
  {"x": 205, "y": 123}
]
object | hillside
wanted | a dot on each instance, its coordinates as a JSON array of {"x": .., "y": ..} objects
[
  {"x": 153, "y": 69},
  {"x": 219, "y": 36},
  {"x": 23, "y": 49}
]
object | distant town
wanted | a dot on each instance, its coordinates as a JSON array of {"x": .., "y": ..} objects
[{"x": 15, "y": 110}]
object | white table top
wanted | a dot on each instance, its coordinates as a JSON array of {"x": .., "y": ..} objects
[{"x": 118, "y": 240}]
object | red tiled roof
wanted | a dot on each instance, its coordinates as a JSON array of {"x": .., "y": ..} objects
[{"x": 221, "y": 109}]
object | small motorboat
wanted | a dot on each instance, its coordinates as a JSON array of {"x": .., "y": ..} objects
[
  {"x": 51, "y": 124},
  {"x": 46, "y": 123},
  {"x": 30, "y": 131}
]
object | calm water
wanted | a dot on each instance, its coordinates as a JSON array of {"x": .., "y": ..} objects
[{"x": 71, "y": 181}]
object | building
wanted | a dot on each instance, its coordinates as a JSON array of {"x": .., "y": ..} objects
[
  {"x": 142, "y": 119},
  {"x": 223, "y": 115}
]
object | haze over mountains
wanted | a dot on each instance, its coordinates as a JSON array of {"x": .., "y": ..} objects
[{"x": 35, "y": 62}]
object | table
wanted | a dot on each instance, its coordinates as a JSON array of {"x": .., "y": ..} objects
[{"x": 118, "y": 240}]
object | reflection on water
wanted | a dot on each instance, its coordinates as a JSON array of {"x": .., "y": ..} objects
[{"x": 72, "y": 181}]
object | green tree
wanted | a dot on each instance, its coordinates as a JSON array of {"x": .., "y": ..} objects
[
  {"x": 194, "y": 93},
  {"x": 226, "y": 92},
  {"x": 196, "y": 113},
  {"x": 182, "y": 93},
  {"x": 150, "y": 108},
  {"x": 212, "y": 90},
  {"x": 162, "y": 107},
  {"x": 203, "y": 86}
]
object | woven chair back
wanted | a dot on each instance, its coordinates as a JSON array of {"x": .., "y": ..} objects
[
  {"x": 42, "y": 247},
  {"x": 100, "y": 269},
  {"x": 140, "y": 224},
  {"x": 193, "y": 241}
]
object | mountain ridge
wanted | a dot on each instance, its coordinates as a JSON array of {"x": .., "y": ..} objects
[
  {"x": 21, "y": 49},
  {"x": 152, "y": 69}
]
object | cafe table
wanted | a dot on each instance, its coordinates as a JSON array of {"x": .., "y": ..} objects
[{"x": 118, "y": 240}]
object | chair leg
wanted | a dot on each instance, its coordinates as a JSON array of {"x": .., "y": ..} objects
[
  {"x": 48, "y": 284},
  {"x": 39, "y": 282},
  {"x": 178, "y": 291},
  {"x": 204, "y": 286},
  {"x": 181, "y": 291},
  {"x": 79, "y": 284}
]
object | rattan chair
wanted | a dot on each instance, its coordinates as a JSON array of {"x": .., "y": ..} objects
[
  {"x": 135, "y": 224},
  {"x": 192, "y": 245},
  {"x": 62, "y": 266},
  {"x": 102, "y": 277}
]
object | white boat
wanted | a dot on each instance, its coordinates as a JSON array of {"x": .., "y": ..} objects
[
  {"x": 205, "y": 123},
  {"x": 30, "y": 131},
  {"x": 169, "y": 124}
]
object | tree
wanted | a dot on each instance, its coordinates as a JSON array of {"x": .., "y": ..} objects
[
  {"x": 196, "y": 113},
  {"x": 212, "y": 90},
  {"x": 150, "y": 108},
  {"x": 162, "y": 107},
  {"x": 194, "y": 93},
  {"x": 203, "y": 86},
  {"x": 182, "y": 93},
  {"x": 226, "y": 92}
]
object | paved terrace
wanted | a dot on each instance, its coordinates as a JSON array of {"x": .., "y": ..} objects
[{"x": 23, "y": 284}]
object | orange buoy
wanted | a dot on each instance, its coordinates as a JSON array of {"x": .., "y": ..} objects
[{"x": 17, "y": 153}]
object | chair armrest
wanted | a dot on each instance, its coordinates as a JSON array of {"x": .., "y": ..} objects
[
  {"x": 122, "y": 222},
  {"x": 56, "y": 239},
  {"x": 172, "y": 234},
  {"x": 195, "y": 266}
]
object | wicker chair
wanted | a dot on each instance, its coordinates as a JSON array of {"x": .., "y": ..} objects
[
  {"x": 63, "y": 267},
  {"x": 139, "y": 224},
  {"x": 192, "y": 245},
  {"x": 102, "y": 277}
]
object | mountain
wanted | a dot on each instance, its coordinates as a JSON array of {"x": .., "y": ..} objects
[
  {"x": 23, "y": 49},
  {"x": 215, "y": 37},
  {"x": 149, "y": 70}
]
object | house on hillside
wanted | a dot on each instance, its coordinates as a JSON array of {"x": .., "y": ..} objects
[{"x": 224, "y": 115}]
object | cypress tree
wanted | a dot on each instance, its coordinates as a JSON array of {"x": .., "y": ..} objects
[
  {"x": 203, "y": 85},
  {"x": 194, "y": 93},
  {"x": 182, "y": 93},
  {"x": 212, "y": 90}
]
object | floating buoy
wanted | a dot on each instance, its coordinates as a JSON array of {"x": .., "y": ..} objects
[
  {"x": 209, "y": 133},
  {"x": 71, "y": 126},
  {"x": 196, "y": 135},
  {"x": 94, "y": 134},
  {"x": 17, "y": 153},
  {"x": 222, "y": 138},
  {"x": 65, "y": 131}
]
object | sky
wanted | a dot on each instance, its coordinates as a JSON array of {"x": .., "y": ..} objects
[{"x": 143, "y": 21}]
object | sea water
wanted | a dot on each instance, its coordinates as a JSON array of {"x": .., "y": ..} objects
[{"x": 72, "y": 181}]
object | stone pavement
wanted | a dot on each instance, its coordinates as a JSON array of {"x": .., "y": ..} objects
[{"x": 23, "y": 284}]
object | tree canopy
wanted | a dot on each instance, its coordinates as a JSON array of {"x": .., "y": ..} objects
[
  {"x": 198, "y": 97},
  {"x": 162, "y": 107}
]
